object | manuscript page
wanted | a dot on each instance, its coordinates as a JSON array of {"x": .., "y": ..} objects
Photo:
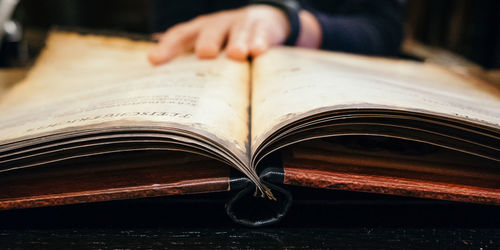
[
  {"x": 80, "y": 81},
  {"x": 289, "y": 83}
]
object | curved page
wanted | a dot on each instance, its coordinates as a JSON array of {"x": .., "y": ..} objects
[
  {"x": 93, "y": 83},
  {"x": 290, "y": 84}
]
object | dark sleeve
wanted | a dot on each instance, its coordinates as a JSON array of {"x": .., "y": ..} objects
[{"x": 361, "y": 26}]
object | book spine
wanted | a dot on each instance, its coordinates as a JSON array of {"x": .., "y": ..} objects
[{"x": 252, "y": 208}]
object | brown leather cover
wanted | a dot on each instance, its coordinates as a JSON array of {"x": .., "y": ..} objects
[
  {"x": 124, "y": 180},
  {"x": 319, "y": 174}
]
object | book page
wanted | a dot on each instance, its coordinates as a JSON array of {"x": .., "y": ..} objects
[
  {"x": 289, "y": 83},
  {"x": 9, "y": 77},
  {"x": 81, "y": 81}
]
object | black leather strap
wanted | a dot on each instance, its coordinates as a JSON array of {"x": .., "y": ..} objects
[
  {"x": 248, "y": 207},
  {"x": 291, "y": 9},
  {"x": 252, "y": 210}
]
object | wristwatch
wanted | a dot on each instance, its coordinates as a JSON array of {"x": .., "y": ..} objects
[{"x": 291, "y": 9}]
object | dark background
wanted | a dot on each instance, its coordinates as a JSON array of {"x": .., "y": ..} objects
[
  {"x": 468, "y": 27},
  {"x": 318, "y": 219}
]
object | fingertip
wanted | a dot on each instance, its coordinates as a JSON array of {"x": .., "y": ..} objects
[
  {"x": 153, "y": 60},
  {"x": 156, "y": 57},
  {"x": 238, "y": 53},
  {"x": 207, "y": 52},
  {"x": 258, "y": 49}
]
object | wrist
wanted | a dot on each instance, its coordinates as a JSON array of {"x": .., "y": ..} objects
[
  {"x": 291, "y": 9},
  {"x": 310, "y": 35}
]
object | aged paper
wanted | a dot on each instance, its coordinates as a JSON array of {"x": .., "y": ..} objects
[
  {"x": 288, "y": 83},
  {"x": 9, "y": 77},
  {"x": 83, "y": 80}
]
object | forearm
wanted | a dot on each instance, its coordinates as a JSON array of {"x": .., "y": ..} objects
[{"x": 359, "y": 34}]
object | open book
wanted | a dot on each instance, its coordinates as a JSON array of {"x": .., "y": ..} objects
[{"x": 93, "y": 121}]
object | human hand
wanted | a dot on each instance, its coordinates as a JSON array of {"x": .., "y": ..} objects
[{"x": 248, "y": 31}]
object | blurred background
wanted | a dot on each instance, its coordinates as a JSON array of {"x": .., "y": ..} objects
[{"x": 463, "y": 35}]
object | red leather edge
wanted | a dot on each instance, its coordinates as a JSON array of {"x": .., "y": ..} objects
[
  {"x": 299, "y": 176},
  {"x": 182, "y": 187}
]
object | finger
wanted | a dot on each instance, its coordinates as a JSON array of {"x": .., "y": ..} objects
[
  {"x": 210, "y": 40},
  {"x": 259, "y": 41},
  {"x": 237, "y": 45},
  {"x": 173, "y": 42}
]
